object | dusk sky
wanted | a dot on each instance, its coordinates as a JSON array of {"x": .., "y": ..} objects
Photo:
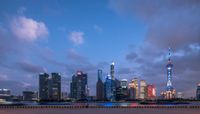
[{"x": 69, "y": 35}]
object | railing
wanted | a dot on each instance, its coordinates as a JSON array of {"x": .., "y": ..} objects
[{"x": 75, "y": 107}]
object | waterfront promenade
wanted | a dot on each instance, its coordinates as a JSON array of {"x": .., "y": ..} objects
[{"x": 99, "y": 110}]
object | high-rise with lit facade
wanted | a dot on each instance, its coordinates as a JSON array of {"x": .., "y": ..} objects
[
  {"x": 113, "y": 82},
  {"x": 151, "y": 91},
  {"x": 100, "y": 86},
  {"x": 170, "y": 92},
  {"x": 133, "y": 89},
  {"x": 112, "y": 71},
  {"x": 50, "y": 86},
  {"x": 122, "y": 90},
  {"x": 143, "y": 89},
  {"x": 55, "y": 87},
  {"x": 169, "y": 72},
  {"x": 135, "y": 81},
  {"x": 108, "y": 94},
  {"x": 43, "y": 86},
  {"x": 79, "y": 87},
  {"x": 198, "y": 92}
]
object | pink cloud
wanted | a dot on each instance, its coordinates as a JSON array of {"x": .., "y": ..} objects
[
  {"x": 28, "y": 29},
  {"x": 76, "y": 37}
]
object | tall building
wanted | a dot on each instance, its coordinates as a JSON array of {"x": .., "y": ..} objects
[
  {"x": 55, "y": 87},
  {"x": 123, "y": 89},
  {"x": 133, "y": 89},
  {"x": 151, "y": 91},
  {"x": 112, "y": 70},
  {"x": 50, "y": 86},
  {"x": 108, "y": 94},
  {"x": 169, "y": 67},
  {"x": 44, "y": 86},
  {"x": 135, "y": 81},
  {"x": 100, "y": 86},
  {"x": 198, "y": 92},
  {"x": 143, "y": 89},
  {"x": 170, "y": 92},
  {"x": 79, "y": 88},
  {"x": 113, "y": 82}
]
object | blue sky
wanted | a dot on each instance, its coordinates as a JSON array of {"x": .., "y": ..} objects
[{"x": 68, "y": 35}]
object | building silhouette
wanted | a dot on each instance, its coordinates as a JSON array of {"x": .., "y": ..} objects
[
  {"x": 49, "y": 87},
  {"x": 55, "y": 87},
  {"x": 100, "y": 86},
  {"x": 170, "y": 92},
  {"x": 151, "y": 92},
  {"x": 43, "y": 86},
  {"x": 79, "y": 87},
  {"x": 143, "y": 89},
  {"x": 108, "y": 93},
  {"x": 198, "y": 92}
]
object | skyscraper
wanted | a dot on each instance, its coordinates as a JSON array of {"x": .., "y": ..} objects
[
  {"x": 50, "y": 86},
  {"x": 112, "y": 70},
  {"x": 108, "y": 94},
  {"x": 151, "y": 91},
  {"x": 55, "y": 87},
  {"x": 43, "y": 86},
  {"x": 143, "y": 89},
  {"x": 123, "y": 89},
  {"x": 170, "y": 92},
  {"x": 135, "y": 81},
  {"x": 198, "y": 92},
  {"x": 78, "y": 88},
  {"x": 169, "y": 72},
  {"x": 133, "y": 89},
  {"x": 100, "y": 86}
]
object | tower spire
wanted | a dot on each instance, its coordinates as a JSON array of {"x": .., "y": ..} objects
[{"x": 169, "y": 54}]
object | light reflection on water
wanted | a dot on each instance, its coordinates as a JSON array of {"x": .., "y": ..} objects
[{"x": 108, "y": 104}]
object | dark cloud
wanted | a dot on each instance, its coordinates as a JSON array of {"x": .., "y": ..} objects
[
  {"x": 171, "y": 22},
  {"x": 29, "y": 67},
  {"x": 131, "y": 56},
  {"x": 75, "y": 56}
]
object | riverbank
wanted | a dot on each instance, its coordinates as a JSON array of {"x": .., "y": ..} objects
[{"x": 99, "y": 110}]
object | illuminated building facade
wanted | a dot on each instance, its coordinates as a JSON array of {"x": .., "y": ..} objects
[
  {"x": 44, "y": 86},
  {"x": 108, "y": 94},
  {"x": 143, "y": 89},
  {"x": 198, "y": 92},
  {"x": 78, "y": 88},
  {"x": 122, "y": 90},
  {"x": 151, "y": 91},
  {"x": 112, "y": 71},
  {"x": 100, "y": 86},
  {"x": 170, "y": 92},
  {"x": 50, "y": 86},
  {"x": 55, "y": 87},
  {"x": 133, "y": 89}
]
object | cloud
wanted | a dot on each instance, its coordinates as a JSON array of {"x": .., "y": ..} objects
[
  {"x": 3, "y": 77},
  {"x": 31, "y": 68},
  {"x": 77, "y": 37},
  {"x": 172, "y": 23},
  {"x": 98, "y": 28},
  {"x": 131, "y": 56},
  {"x": 21, "y": 10},
  {"x": 28, "y": 29},
  {"x": 76, "y": 57}
]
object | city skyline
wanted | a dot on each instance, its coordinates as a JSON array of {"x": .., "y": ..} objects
[{"x": 66, "y": 36}]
